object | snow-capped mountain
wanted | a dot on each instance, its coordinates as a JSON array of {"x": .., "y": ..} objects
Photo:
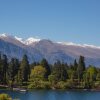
[
  {"x": 11, "y": 39},
  {"x": 36, "y": 49},
  {"x": 31, "y": 40},
  {"x": 16, "y": 40},
  {"x": 3, "y": 35},
  {"x": 28, "y": 41},
  {"x": 19, "y": 39}
]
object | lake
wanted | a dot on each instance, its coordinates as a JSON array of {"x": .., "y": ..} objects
[{"x": 53, "y": 95}]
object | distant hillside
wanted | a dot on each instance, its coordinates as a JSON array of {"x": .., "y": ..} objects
[{"x": 37, "y": 49}]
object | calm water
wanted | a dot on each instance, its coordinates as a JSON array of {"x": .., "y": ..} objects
[{"x": 54, "y": 95}]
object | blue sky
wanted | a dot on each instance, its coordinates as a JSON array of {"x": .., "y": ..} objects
[{"x": 59, "y": 20}]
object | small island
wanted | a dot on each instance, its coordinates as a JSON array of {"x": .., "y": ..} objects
[{"x": 22, "y": 75}]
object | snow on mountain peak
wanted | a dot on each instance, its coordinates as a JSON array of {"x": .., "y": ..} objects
[
  {"x": 19, "y": 39},
  {"x": 24, "y": 41},
  {"x": 27, "y": 41},
  {"x": 69, "y": 43},
  {"x": 3, "y": 35},
  {"x": 31, "y": 40},
  {"x": 81, "y": 45}
]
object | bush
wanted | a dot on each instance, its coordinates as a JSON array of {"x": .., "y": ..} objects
[
  {"x": 61, "y": 85},
  {"x": 39, "y": 85},
  {"x": 5, "y": 97}
]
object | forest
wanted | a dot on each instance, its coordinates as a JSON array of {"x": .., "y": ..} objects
[{"x": 42, "y": 75}]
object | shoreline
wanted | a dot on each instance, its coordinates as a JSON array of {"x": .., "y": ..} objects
[
  {"x": 25, "y": 90},
  {"x": 6, "y": 87}
]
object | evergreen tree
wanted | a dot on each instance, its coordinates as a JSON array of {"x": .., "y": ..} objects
[
  {"x": 24, "y": 69},
  {"x": 59, "y": 72},
  {"x": 45, "y": 64},
  {"x": 81, "y": 67},
  {"x": 13, "y": 69},
  {"x": 75, "y": 65},
  {"x": 71, "y": 66},
  {"x": 1, "y": 77},
  {"x": 32, "y": 65},
  {"x": 4, "y": 68},
  {"x": 66, "y": 65}
]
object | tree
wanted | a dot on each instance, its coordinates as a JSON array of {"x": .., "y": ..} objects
[
  {"x": 86, "y": 77},
  {"x": 98, "y": 76},
  {"x": 37, "y": 77},
  {"x": 72, "y": 74},
  {"x": 32, "y": 65},
  {"x": 45, "y": 64},
  {"x": 92, "y": 73},
  {"x": 75, "y": 65},
  {"x": 81, "y": 67},
  {"x": 4, "y": 65},
  {"x": 13, "y": 69},
  {"x": 59, "y": 72},
  {"x": 24, "y": 69},
  {"x": 1, "y": 77},
  {"x": 38, "y": 72},
  {"x": 17, "y": 66}
]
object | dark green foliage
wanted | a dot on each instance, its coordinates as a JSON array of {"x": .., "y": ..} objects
[
  {"x": 59, "y": 72},
  {"x": 98, "y": 76},
  {"x": 81, "y": 67},
  {"x": 43, "y": 75},
  {"x": 3, "y": 68},
  {"x": 45, "y": 64},
  {"x": 33, "y": 65},
  {"x": 75, "y": 65},
  {"x": 24, "y": 69},
  {"x": 13, "y": 69}
]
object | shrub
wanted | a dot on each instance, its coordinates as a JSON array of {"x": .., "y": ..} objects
[{"x": 5, "y": 97}]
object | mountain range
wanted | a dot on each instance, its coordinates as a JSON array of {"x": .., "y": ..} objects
[{"x": 37, "y": 49}]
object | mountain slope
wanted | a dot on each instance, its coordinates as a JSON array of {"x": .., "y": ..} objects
[{"x": 37, "y": 49}]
